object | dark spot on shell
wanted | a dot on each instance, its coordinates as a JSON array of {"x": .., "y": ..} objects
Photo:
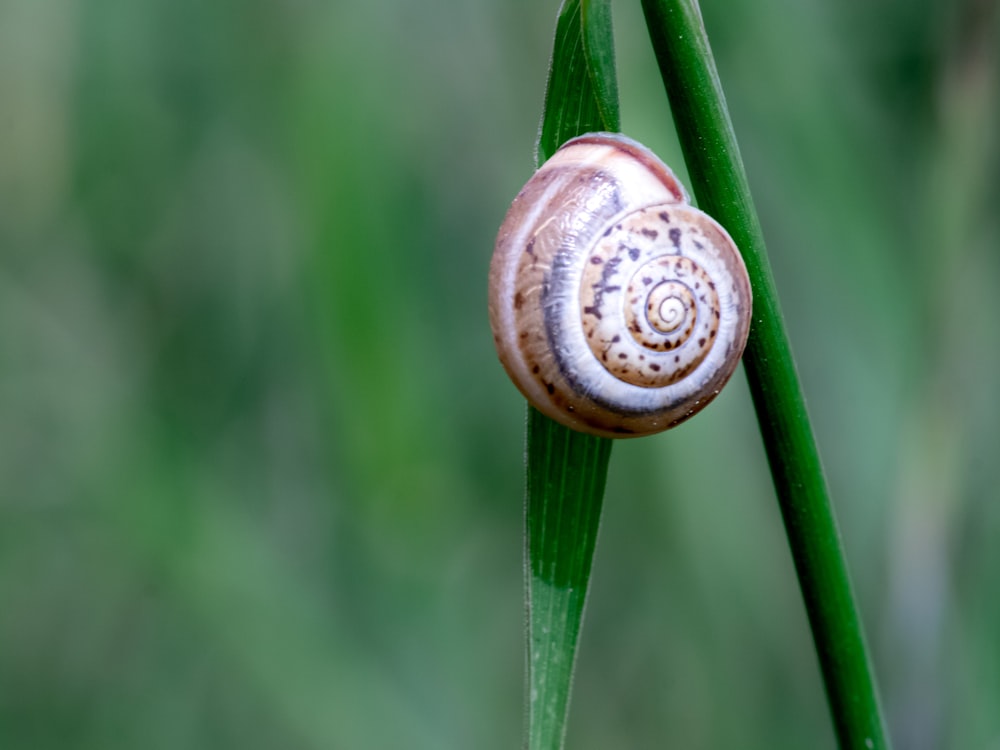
[
  {"x": 701, "y": 341},
  {"x": 518, "y": 300},
  {"x": 592, "y": 311},
  {"x": 602, "y": 286},
  {"x": 664, "y": 216},
  {"x": 536, "y": 369},
  {"x": 596, "y": 260},
  {"x": 654, "y": 367},
  {"x": 675, "y": 237},
  {"x": 616, "y": 339},
  {"x": 633, "y": 253},
  {"x": 622, "y": 355},
  {"x": 646, "y": 280},
  {"x": 530, "y": 247},
  {"x": 677, "y": 358},
  {"x": 651, "y": 233},
  {"x": 550, "y": 388}
]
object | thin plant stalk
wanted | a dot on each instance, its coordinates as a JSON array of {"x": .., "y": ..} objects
[{"x": 720, "y": 184}]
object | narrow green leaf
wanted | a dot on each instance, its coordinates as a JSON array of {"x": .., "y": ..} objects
[
  {"x": 566, "y": 475},
  {"x": 582, "y": 91},
  {"x": 566, "y": 470},
  {"x": 720, "y": 184},
  {"x": 599, "y": 50}
]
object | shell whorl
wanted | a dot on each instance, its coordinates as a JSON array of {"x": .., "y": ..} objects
[{"x": 617, "y": 308}]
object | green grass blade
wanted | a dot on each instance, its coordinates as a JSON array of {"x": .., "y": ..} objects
[
  {"x": 582, "y": 91},
  {"x": 566, "y": 470},
  {"x": 720, "y": 184},
  {"x": 599, "y": 51},
  {"x": 566, "y": 475}
]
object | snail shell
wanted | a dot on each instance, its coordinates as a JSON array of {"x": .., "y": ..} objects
[{"x": 617, "y": 308}]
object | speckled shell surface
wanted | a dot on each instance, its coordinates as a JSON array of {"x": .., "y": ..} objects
[{"x": 617, "y": 308}]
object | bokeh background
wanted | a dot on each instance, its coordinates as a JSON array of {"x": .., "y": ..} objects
[{"x": 260, "y": 471}]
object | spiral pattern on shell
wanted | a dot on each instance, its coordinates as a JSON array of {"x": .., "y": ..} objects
[{"x": 617, "y": 308}]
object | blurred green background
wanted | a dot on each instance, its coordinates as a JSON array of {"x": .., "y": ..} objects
[{"x": 260, "y": 471}]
